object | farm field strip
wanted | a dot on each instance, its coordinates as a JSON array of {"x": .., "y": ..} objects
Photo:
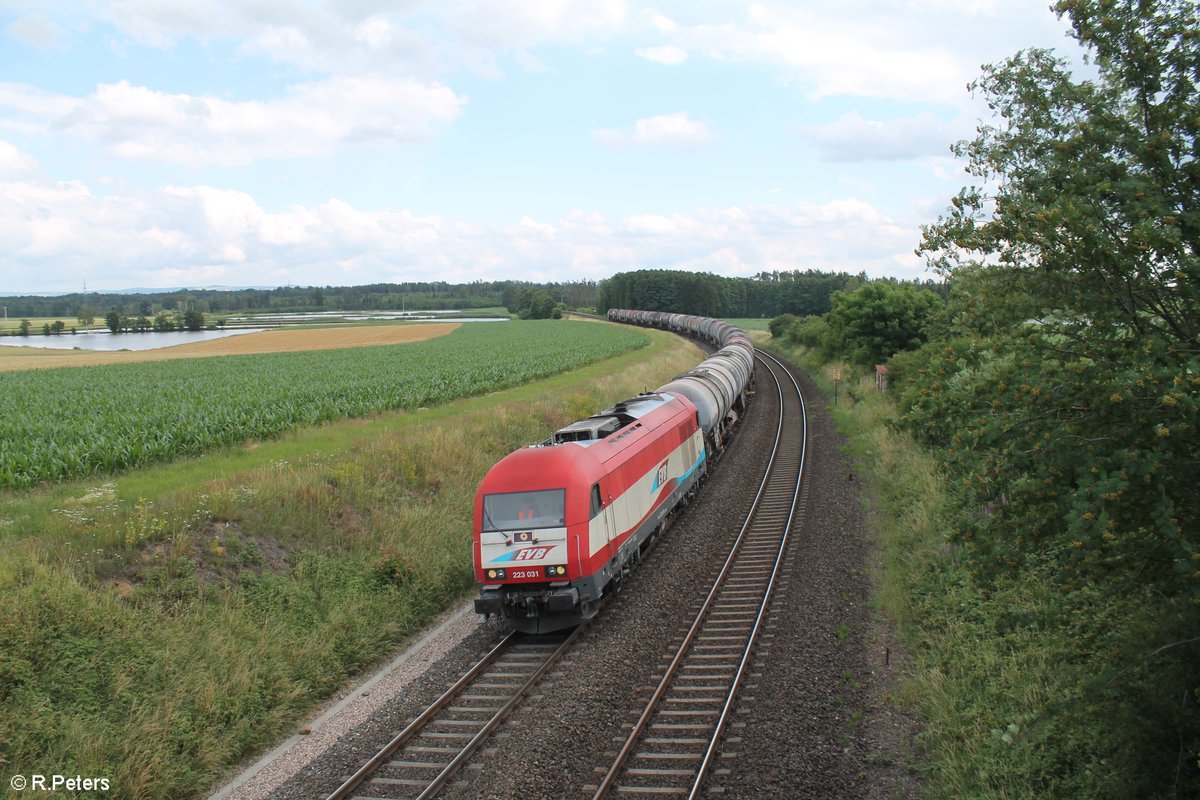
[
  {"x": 274, "y": 341},
  {"x": 64, "y": 423}
]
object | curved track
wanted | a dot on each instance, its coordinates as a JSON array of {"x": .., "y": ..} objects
[{"x": 672, "y": 746}]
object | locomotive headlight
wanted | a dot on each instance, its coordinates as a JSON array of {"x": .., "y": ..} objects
[
  {"x": 555, "y": 570},
  {"x": 496, "y": 574}
]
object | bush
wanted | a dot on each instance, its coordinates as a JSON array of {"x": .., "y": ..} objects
[{"x": 781, "y": 325}]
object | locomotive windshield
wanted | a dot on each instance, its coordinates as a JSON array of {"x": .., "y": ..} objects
[{"x": 524, "y": 510}]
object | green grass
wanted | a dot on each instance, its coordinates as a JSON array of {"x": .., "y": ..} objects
[
  {"x": 749, "y": 323},
  {"x": 160, "y": 625},
  {"x": 72, "y": 422},
  {"x": 10, "y": 325}
]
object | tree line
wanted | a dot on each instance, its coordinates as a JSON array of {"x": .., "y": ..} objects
[
  {"x": 414, "y": 295},
  {"x": 767, "y": 294}
]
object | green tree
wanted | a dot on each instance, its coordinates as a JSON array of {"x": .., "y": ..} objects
[
  {"x": 113, "y": 320},
  {"x": 779, "y": 325},
  {"x": 1096, "y": 206},
  {"x": 536, "y": 304},
  {"x": 880, "y": 319},
  {"x": 86, "y": 316},
  {"x": 193, "y": 321},
  {"x": 23, "y": 328},
  {"x": 164, "y": 321},
  {"x": 1068, "y": 411}
]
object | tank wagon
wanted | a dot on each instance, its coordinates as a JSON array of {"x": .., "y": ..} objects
[{"x": 559, "y": 524}]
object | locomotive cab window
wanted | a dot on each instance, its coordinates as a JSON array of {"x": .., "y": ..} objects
[
  {"x": 597, "y": 503},
  {"x": 524, "y": 510}
]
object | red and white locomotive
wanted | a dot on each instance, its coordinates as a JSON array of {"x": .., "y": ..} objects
[{"x": 560, "y": 523}]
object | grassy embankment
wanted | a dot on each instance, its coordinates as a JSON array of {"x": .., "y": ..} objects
[
  {"x": 972, "y": 689},
  {"x": 188, "y": 615}
]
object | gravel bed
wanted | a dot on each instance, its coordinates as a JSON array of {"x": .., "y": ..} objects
[
  {"x": 813, "y": 720},
  {"x": 816, "y": 721}
]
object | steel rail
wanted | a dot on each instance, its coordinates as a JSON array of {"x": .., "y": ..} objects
[
  {"x": 608, "y": 782},
  {"x": 727, "y": 708},
  {"x": 414, "y": 727},
  {"x": 470, "y": 747}
]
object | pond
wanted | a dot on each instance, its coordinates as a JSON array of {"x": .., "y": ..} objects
[{"x": 107, "y": 340}]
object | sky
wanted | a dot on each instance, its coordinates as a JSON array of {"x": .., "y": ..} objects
[{"x": 159, "y": 143}]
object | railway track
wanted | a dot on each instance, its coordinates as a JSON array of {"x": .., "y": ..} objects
[
  {"x": 422, "y": 758},
  {"x": 671, "y": 748},
  {"x": 673, "y": 745}
]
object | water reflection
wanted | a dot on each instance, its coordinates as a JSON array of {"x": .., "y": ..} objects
[{"x": 107, "y": 340}]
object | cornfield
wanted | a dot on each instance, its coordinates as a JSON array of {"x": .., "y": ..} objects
[{"x": 64, "y": 423}]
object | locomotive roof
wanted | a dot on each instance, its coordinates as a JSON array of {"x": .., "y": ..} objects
[
  {"x": 587, "y": 432},
  {"x": 583, "y": 462}
]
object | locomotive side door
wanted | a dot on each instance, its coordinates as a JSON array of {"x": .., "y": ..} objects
[
  {"x": 605, "y": 505},
  {"x": 598, "y": 525}
]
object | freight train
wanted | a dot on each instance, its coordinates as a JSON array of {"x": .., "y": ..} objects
[{"x": 559, "y": 524}]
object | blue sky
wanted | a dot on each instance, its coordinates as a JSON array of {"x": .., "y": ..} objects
[{"x": 154, "y": 143}]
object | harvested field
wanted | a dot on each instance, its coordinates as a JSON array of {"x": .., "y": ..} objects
[{"x": 279, "y": 341}]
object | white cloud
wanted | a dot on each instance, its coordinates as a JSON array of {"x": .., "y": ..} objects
[
  {"x": 373, "y": 35},
  {"x": 894, "y": 49},
  {"x": 659, "y": 225},
  {"x": 13, "y": 162},
  {"x": 160, "y": 23},
  {"x": 851, "y": 137},
  {"x": 36, "y": 30},
  {"x": 667, "y": 130},
  {"x": 311, "y": 119},
  {"x": 34, "y": 109},
  {"x": 831, "y": 54},
  {"x": 204, "y": 234},
  {"x": 524, "y": 23},
  {"x": 662, "y": 23},
  {"x": 670, "y": 54}
]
